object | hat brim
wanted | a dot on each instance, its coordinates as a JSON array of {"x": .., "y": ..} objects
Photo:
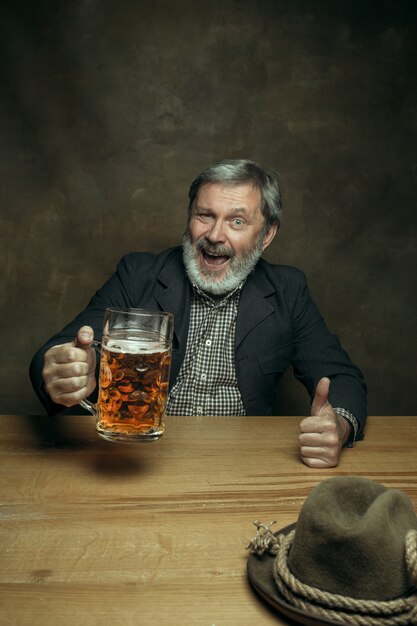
[{"x": 261, "y": 577}]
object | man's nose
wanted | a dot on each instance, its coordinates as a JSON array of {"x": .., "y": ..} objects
[{"x": 216, "y": 234}]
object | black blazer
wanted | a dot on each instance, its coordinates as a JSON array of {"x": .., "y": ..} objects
[{"x": 277, "y": 325}]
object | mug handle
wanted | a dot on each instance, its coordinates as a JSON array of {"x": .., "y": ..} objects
[
  {"x": 86, "y": 404},
  {"x": 90, "y": 406}
]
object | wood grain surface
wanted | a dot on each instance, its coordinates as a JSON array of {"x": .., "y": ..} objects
[{"x": 94, "y": 532}]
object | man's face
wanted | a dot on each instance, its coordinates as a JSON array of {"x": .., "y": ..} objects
[{"x": 225, "y": 236}]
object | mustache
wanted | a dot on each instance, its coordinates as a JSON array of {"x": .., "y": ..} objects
[{"x": 202, "y": 245}]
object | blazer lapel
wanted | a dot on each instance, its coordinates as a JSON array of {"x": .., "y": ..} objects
[
  {"x": 173, "y": 293},
  {"x": 253, "y": 306}
]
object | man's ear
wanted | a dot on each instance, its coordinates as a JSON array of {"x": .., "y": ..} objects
[{"x": 270, "y": 234}]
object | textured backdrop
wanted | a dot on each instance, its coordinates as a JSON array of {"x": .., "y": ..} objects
[{"x": 109, "y": 108}]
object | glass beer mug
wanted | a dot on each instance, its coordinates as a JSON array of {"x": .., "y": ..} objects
[{"x": 134, "y": 373}]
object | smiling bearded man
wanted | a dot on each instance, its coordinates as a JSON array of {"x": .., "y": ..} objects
[{"x": 240, "y": 321}]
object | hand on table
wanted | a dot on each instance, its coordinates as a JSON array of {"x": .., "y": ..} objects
[
  {"x": 323, "y": 434},
  {"x": 69, "y": 369}
]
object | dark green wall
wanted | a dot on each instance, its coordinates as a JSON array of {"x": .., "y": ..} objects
[{"x": 108, "y": 110}]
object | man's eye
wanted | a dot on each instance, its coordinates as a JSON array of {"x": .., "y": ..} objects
[
  {"x": 237, "y": 221},
  {"x": 203, "y": 216}
]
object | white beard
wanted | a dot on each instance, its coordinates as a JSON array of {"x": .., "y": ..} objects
[{"x": 239, "y": 266}]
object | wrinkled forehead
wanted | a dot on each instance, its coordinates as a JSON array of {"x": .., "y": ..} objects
[{"x": 246, "y": 196}]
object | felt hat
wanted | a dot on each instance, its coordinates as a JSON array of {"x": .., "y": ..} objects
[{"x": 351, "y": 558}]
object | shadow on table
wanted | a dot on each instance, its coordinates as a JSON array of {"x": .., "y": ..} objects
[
  {"x": 58, "y": 432},
  {"x": 61, "y": 435}
]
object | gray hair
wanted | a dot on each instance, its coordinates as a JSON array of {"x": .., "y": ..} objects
[{"x": 238, "y": 172}]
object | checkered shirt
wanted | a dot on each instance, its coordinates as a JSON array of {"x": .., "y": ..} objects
[{"x": 207, "y": 382}]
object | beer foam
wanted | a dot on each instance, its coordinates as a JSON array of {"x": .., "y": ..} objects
[{"x": 134, "y": 346}]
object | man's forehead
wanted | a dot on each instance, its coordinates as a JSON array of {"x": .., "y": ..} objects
[{"x": 239, "y": 195}]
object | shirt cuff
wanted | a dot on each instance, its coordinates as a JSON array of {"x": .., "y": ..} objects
[{"x": 354, "y": 423}]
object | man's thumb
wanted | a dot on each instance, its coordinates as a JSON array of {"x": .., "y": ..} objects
[
  {"x": 84, "y": 337},
  {"x": 321, "y": 396}
]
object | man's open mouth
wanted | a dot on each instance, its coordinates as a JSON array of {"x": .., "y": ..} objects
[{"x": 213, "y": 260}]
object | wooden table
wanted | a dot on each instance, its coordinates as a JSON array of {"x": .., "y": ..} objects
[{"x": 101, "y": 533}]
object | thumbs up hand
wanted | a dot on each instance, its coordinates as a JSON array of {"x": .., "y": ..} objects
[{"x": 323, "y": 433}]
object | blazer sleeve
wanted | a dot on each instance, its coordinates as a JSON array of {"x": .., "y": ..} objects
[
  {"x": 123, "y": 289},
  {"x": 318, "y": 353}
]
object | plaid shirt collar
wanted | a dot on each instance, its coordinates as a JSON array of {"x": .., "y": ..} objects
[{"x": 205, "y": 297}]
